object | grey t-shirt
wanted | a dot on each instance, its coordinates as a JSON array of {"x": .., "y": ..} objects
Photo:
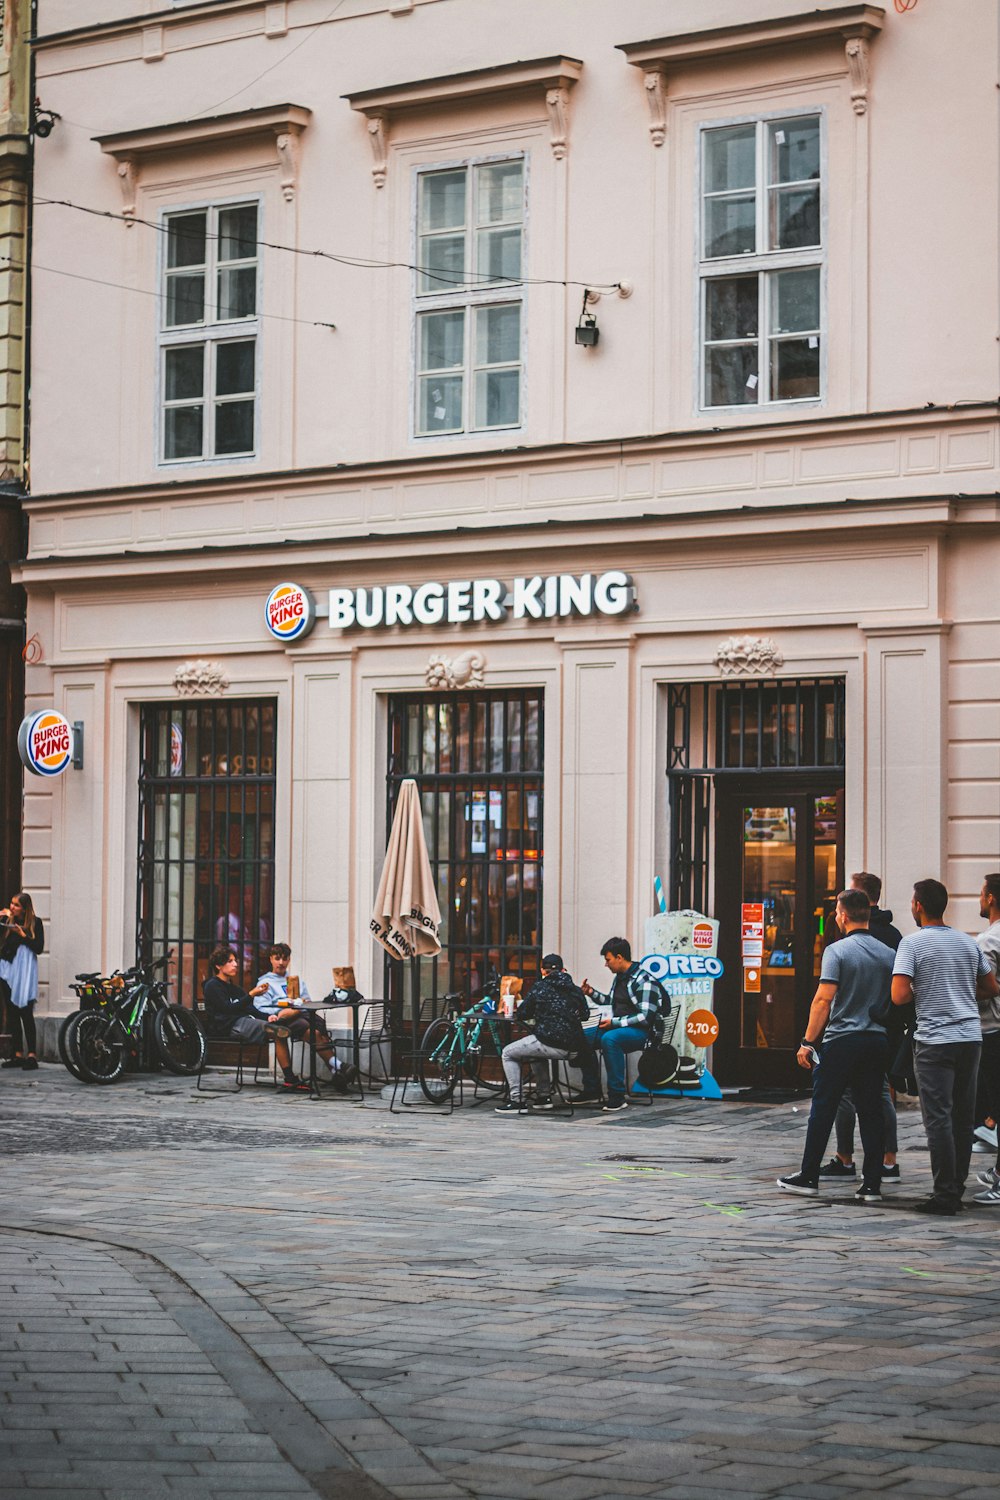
[
  {"x": 861, "y": 968},
  {"x": 943, "y": 965},
  {"x": 989, "y": 1010}
]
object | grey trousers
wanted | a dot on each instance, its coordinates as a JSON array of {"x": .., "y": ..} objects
[
  {"x": 847, "y": 1114},
  {"x": 946, "y": 1078},
  {"x": 529, "y": 1049}
]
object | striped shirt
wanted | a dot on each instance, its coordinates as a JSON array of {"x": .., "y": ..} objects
[{"x": 943, "y": 965}]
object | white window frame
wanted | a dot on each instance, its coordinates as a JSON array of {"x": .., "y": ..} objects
[
  {"x": 762, "y": 263},
  {"x": 467, "y": 299},
  {"x": 211, "y": 333}
]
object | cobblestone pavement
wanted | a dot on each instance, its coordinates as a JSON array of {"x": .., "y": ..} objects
[{"x": 214, "y": 1294}]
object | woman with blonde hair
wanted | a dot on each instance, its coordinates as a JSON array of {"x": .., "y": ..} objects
[{"x": 22, "y": 938}]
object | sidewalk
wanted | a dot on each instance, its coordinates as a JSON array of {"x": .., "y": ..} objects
[{"x": 251, "y": 1294}]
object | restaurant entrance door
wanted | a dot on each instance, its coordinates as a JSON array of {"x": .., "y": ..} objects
[{"x": 779, "y": 867}]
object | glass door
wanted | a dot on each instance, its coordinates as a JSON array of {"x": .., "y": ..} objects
[{"x": 779, "y": 862}]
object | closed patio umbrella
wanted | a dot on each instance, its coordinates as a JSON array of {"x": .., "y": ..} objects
[{"x": 407, "y": 918}]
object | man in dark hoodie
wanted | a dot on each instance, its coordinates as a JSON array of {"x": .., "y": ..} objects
[
  {"x": 555, "y": 1008},
  {"x": 842, "y": 1165}
]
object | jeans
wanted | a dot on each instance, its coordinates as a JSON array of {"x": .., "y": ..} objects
[
  {"x": 22, "y": 1025},
  {"x": 846, "y": 1114},
  {"x": 529, "y": 1049},
  {"x": 988, "y": 1082},
  {"x": 946, "y": 1078},
  {"x": 858, "y": 1062},
  {"x": 614, "y": 1043}
]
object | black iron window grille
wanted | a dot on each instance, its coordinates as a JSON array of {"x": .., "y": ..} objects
[
  {"x": 736, "y": 728},
  {"x": 206, "y": 836},
  {"x": 477, "y": 760}
]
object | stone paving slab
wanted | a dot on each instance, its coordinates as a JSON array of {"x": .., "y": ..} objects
[{"x": 472, "y": 1305}]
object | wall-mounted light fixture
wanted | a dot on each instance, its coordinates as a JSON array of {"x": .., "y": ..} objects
[
  {"x": 43, "y": 121},
  {"x": 587, "y": 332}
]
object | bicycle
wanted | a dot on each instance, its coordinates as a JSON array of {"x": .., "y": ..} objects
[
  {"x": 468, "y": 1041},
  {"x": 105, "y": 1039},
  {"x": 94, "y": 992}
]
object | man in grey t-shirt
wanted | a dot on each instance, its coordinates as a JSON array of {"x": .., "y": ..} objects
[
  {"x": 988, "y": 1090},
  {"x": 855, "y": 977},
  {"x": 944, "y": 971}
]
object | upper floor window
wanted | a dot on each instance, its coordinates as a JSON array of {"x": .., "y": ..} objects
[
  {"x": 761, "y": 262},
  {"x": 209, "y": 333},
  {"x": 468, "y": 296}
]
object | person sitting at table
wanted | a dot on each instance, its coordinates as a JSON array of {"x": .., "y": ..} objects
[
  {"x": 275, "y": 1003},
  {"x": 555, "y": 1009},
  {"x": 231, "y": 1015}
]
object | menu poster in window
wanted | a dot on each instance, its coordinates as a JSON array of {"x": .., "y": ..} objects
[{"x": 682, "y": 953}]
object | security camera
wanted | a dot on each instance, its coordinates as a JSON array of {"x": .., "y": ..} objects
[{"x": 43, "y": 121}]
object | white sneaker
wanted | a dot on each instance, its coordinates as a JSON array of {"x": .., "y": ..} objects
[
  {"x": 987, "y": 1134},
  {"x": 983, "y": 1147},
  {"x": 990, "y": 1197}
]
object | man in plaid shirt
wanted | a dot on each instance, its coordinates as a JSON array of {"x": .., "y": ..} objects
[{"x": 636, "y": 1015}]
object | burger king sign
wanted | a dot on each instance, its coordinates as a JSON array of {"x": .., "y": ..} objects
[
  {"x": 289, "y": 613},
  {"x": 45, "y": 743}
]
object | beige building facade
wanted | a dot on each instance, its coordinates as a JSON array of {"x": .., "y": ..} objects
[{"x": 713, "y": 598}]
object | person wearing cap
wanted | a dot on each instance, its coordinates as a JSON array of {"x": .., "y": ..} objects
[{"x": 555, "y": 1009}]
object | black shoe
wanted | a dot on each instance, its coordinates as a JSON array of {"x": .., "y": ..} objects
[
  {"x": 294, "y": 1085},
  {"x": 542, "y": 1104},
  {"x": 614, "y": 1105},
  {"x": 891, "y": 1173},
  {"x": 837, "y": 1168},
  {"x": 512, "y": 1107},
  {"x": 339, "y": 1082},
  {"x": 796, "y": 1183},
  {"x": 588, "y": 1098},
  {"x": 350, "y": 1074},
  {"x": 937, "y": 1206},
  {"x": 29, "y": 1064},
  {"x": 13, "y": 1062},
  {"x": 867, "y": 1195}
]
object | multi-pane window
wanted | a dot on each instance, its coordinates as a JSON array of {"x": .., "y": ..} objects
[
  {"x": 470, "y": 247},
  {"x": 761, "y": 267},
  {"x": 209, "y": 333}
]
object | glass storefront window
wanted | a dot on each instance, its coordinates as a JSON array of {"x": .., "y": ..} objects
[{"x": 206, "y": 837}]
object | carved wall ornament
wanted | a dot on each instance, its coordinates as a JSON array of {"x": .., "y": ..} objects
[
  {"x": 655, "y": 81},
  {"x": 287, "y": 146},
  {"x": 465, "y": 671},
  {"x": 194, "y": 677},
  {"x": 378, "y": 134},
  {"x": 856, "y": 50},
  {"x": 127, "y": 181},
  {"x": 749, "y": 654},
  {"x": 557, "y": 104}
]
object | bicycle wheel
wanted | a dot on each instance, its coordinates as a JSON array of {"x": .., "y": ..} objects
[
  {"x": 179, "y": 1039},
  {"x": 100, "y": 1048},
  {"x": 482, "y": 1059},
  {"x": 438, "y": 1061},
  {"x": 66, "y": 1043}
]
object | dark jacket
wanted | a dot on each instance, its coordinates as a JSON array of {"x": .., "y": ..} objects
[
  {"x": 224, "y": 1004},
  {"x": 880, "y": 926},
  {"x": 558, "y": 1008},
  {"x": 14, "y": 940}
]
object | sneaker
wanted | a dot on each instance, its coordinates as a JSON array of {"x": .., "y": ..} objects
[
  {"x": 836, "y": 1168},
  {"x": 983, "y": 1147},
  {"x": 867, "y": 1195},
  {"x": 13, "y": 1062},
  {"x": 936, "y": 1206},
  {"x": 542, "y": 1104},
  {"x": 30, "y": 1064},
  {"x": 350, "y": 1074},
  {"x": 294, "y": 1085},
  {"x": 891, "y": 1174},
  {"x": 511, "y": 1107},
  {"x": 992, "y": 1197},
  {"x": 799, "y": 1184},
  {"x": 614, "y": 1105},
  {"x": 588, "y": 1099},
  {"x": 990, "y": 1179},
  {"x": 338, "y": 1082},
  {"x": 986, "y": 1133}
]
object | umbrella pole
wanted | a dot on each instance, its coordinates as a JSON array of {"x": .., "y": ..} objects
[{"x": 414, "y": 1013}]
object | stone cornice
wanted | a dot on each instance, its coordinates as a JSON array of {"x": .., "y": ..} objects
[
  {"x": 126, "y": 24},
  {"x": 430, "y": 467}
]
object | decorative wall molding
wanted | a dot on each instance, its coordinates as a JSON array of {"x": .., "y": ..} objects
[
  {"x": 746, "y": 654},
  {"x": 277, "y": 127},
  {"x": 200, "y": 677},
  {"x": 465, "y": 671},
  {"x": 551, "y": 78},
  {"x": 851, "y": 26}
]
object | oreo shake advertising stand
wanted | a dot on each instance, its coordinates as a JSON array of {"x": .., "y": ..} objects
[{"x": 682, "y": 953}]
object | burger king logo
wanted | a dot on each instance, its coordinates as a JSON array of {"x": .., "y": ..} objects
[
  {"x": 45, "y": 743},
  {"x": 289, "y": 612},
  {"x": 701, "y": 937},
  {"x": 176, "y": 749}
]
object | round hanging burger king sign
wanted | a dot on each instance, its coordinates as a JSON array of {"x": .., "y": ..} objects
[
  {"x": 289, "y": 612},
  {"x": 45, "y": 743}
]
